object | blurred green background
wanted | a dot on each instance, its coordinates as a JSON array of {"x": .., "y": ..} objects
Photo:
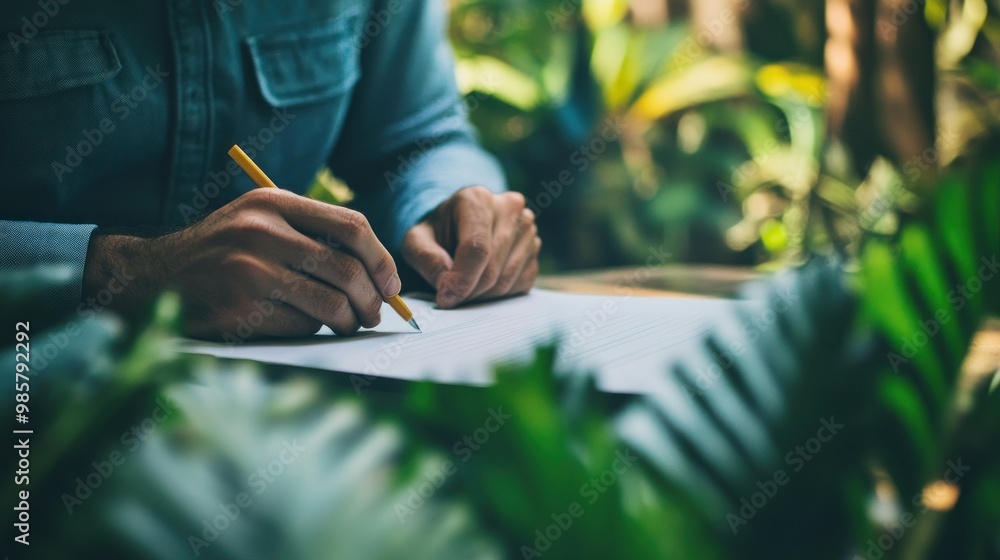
[{"x": 703, "y": 126}]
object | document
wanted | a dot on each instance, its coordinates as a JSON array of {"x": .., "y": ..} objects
[{"x": 623, "y": 340}]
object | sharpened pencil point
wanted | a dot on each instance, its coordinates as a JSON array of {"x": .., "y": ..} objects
[{"x": 413, "y": 323}]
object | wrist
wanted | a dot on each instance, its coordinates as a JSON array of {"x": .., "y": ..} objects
[{"x": 117, "y": 274}]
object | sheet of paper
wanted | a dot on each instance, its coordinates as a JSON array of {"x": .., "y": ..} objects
[{"x": 624, "y": 340}]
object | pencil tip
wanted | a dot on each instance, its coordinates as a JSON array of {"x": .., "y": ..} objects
[{"x": 413, "y": 323}]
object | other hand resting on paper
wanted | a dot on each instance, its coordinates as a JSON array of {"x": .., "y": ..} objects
[{"x": 476, "y": 245}]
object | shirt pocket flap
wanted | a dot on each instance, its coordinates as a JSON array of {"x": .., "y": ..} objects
[
  {"x": 307, "y": 64},
  {"x": 54, "y": 61}
]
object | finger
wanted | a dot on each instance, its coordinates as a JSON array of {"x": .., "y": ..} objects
[
  {"x": 340, "y": 271},
  {"x": 474, "y": 217},
  {"x": 341, "y": 226},
  {"x": 286, "y": 321},
  {"x": 235, "y": 325},
  {"x": 253, "y": 308},
  {"x": 422, "y": 251},
  {"x": 524, "y": 284},
  {"x": 524, "y": 252},
  {"x": 325, "y": 304},
  {"x": 508, "y": 213}
]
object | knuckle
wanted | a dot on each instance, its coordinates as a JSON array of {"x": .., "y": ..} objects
[
  {"x": 355, "y": 224},
  {"x": 477, "y": 249},
  {"x": 253, "y": 224},
  {"x": 352, "y": 270},
  {"x": 262, "y": 197},
  {"x": 516, "y": 200},
  {"x": 243, "y": 265},
  {"x": 339, "y": 307},
  {"x": 477, "y": 192},
  {"x": 384, "y": 266}
]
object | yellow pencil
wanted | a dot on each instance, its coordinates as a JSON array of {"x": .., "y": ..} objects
[{"x": 263, "y": 181}]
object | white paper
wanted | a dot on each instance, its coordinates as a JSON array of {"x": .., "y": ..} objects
[{"x": 624, "y": 340}]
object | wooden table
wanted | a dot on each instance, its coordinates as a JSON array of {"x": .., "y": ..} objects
[{"x": 720, "y": 281}]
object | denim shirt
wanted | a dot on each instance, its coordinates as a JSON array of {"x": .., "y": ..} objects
[{"x": 120, "y": 113}]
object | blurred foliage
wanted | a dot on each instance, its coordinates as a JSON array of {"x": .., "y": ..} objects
[
  {"x": 720, "y": 154},
  {"x": 330, "y": 469}
]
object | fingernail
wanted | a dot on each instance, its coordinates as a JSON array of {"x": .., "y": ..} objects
[{"x": 393, "y": 286}]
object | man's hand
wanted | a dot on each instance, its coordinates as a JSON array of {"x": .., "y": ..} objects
[
  {"x": 276, "y": 262},
  {"x": 476, "y": 245}
]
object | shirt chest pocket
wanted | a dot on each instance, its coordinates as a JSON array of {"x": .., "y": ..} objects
[
  {"x": 54, "y": 113},
  {"x": 307, "y": 64},
  {"x": 54, "y": 61},
  {"x": 306, "y": 74}
]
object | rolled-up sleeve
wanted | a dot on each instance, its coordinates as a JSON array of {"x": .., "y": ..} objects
[
  {"x": 55, "y": 252},
  {"x": 407, "y": 145}
]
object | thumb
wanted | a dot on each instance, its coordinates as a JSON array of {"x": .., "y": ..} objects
[{"x": 422, "y": 252}]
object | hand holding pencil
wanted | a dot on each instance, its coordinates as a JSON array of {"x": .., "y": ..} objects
[
  {"x": 267, "y": 264},
  {"x": 263, "y": 181}
]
